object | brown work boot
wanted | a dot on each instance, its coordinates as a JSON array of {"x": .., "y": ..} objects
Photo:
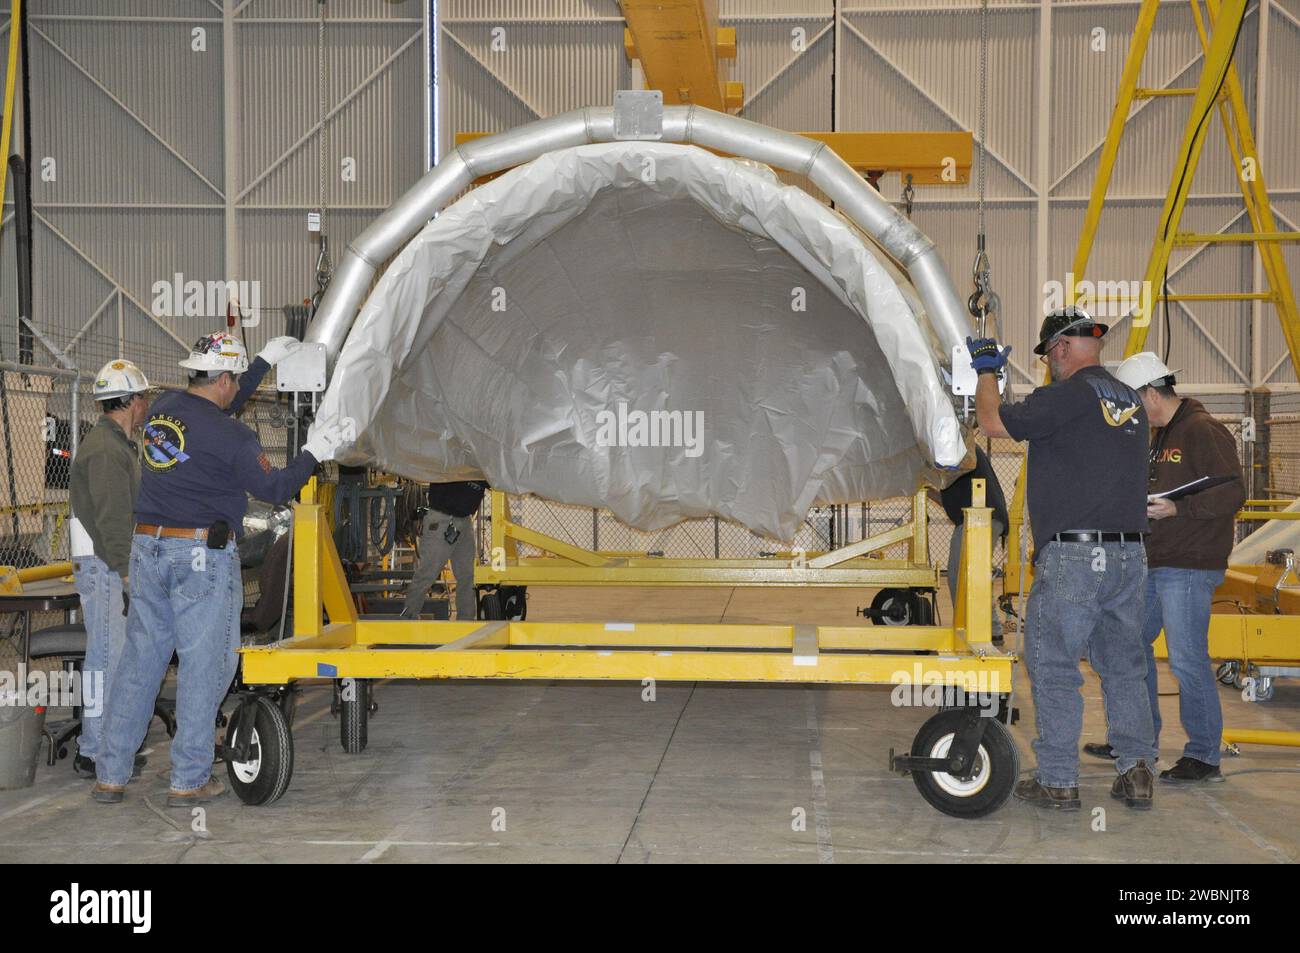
[
  {"x": 108, "y": 793},
  {"x": 1040, "y": 795},
  {"x": 1136, "y": 786},
  {"x": 211, "y": 790}
]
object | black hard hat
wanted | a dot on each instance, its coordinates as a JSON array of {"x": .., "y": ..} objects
[{"x": 1072, "y": 321}]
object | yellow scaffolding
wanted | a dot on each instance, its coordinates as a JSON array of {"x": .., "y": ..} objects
[
  {"x": 1219, "y": 85},
  {"x": 1244, "y": 637}
]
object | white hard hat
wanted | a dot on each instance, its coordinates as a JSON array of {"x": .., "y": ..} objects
[
  {"x": 217, "y": 352},
  {"x": 119, "y": 379},
  {"x": 1145, "y": 370}
]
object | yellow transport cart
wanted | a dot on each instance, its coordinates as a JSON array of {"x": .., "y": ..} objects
[{"x": 963, "y": 759}]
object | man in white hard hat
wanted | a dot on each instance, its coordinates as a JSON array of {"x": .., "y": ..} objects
[
  {"x": 200, "y": 465},
  {"x": 1192, "y": 534},
  {"x": 102, "y": 488}
]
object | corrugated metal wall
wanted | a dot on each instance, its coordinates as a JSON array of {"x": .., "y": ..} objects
[
  {"x": 164, "y": 155},
  {"x": 885, "y": 64}
]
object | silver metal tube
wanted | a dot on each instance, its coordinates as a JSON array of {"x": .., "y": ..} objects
[
  {"x": 338, "y": 306},
  {"x": 693, "y": 124},
  {"x": 906, "y": 243},
  {"x": 774, "y": 147},
  {"x": 376, "y": 244},
  {"x": 947, "y": 311},
  {"x": 74, "y": 414},
  {"x": 39, "y": 370},
  {"x": 525, "y": 143}
]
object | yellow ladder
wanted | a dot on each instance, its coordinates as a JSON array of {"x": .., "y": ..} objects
[{"x": 1219, "y": 85}]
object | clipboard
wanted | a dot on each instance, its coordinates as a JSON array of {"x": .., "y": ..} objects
[{"x": 1187, "y": 489}]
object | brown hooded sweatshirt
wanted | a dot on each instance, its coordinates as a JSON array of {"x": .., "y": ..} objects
[{"x": 1193, "y": 444}]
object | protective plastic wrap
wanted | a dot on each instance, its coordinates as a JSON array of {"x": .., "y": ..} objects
[
  {"x": 551, "y": 326},
  {"x": 1278, "y": 534}
]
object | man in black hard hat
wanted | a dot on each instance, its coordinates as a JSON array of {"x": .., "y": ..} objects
[{"x": 1087, "y": 436}]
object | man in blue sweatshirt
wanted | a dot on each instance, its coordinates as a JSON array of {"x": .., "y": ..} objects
[{"x": 200, "y": 465}]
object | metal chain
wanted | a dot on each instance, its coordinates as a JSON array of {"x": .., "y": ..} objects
[
  {"x": 983, "y": 103},
  {"x": 983, "y": 302},
  {"x": 324, "y": 269},
  {"x": 909, "y": 194},
  {"x": 320, "y": 112}
]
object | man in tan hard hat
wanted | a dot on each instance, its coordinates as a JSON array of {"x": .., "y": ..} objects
[
  {"x": 1192, "y": 534},
  {"x": 102, "y": 488}
]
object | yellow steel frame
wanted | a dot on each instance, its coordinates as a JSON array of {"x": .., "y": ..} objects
[
  {"x": 568, "y": 565},
  {"x": 12, "y": 579},
  {"x": 1219, "y": 85},
  {"x": 330, "y": 640},
  {"x": 679, "y": 45}
]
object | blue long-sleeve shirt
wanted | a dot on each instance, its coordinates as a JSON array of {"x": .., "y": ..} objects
[{"x": 200, "y": 463}]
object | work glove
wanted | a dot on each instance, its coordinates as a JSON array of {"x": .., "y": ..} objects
[
  {"x": 319, "y": 443},
  {"x": 277, "y": 349},
  {"x": 985, "y": 355}
]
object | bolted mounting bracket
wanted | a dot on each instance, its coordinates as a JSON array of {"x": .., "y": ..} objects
[{"x": 638, "y": 114}]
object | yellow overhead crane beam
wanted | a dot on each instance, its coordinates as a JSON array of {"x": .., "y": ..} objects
[{"x": 679, "y": 44}]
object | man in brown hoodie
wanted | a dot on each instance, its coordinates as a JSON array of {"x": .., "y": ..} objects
[{"x": 1187, "y": 553}]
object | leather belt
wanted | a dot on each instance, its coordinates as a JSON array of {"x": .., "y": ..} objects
[
  {"x": 149, "y": 529},
  {"x": 1096, "y": 536}
]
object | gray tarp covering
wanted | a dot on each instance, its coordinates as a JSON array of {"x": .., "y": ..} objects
[{"x": 521, "y": 334}]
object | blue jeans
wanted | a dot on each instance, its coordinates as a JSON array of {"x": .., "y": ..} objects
[
  {"x": 101, "y": 608},
  {"x": 1087, "y": 600},
  {"x": 1178, "y": 600},
  {"x": 185, "y": 598}
]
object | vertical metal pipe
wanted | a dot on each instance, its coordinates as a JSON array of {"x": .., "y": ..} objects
[{"x": 74, "y": 414}]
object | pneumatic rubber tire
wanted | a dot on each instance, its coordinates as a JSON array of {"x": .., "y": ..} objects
[
  {"x": 996, "y": 768},
  {"x": 266, "y": 775},
  {"x": 354, "y": 717},
  {"x": 897, "y": 599}
]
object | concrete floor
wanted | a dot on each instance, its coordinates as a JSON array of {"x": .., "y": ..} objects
[{"x": 704, "y": 773}]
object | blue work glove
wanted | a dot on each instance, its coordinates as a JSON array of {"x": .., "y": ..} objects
[{"x": 985, "y": 355}]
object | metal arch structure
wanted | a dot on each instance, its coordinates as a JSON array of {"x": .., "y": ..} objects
[{"x": 691, "y": 125}]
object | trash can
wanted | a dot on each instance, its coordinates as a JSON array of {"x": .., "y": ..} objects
[{"x": 21, "y": 734}]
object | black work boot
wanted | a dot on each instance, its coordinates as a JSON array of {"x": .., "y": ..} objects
[
  {"x": 1191, "y": 771},
  {"x": 1136, "y": 786},
  {"x": 1099, "y": 751},
  {"x": 1040, "y": 795}
]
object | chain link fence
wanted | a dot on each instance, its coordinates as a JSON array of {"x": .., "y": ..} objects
[{"x": 44, "y": 414}]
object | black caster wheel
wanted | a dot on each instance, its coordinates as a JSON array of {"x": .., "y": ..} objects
[
  {"x": 354, "y": 714},
  {"x": 993, "y": 774},
  {"x": 898, "y": 607},
  {"x": 265, "y": 776},
  {"x": 514, "y": 603},
  {"x": 491, "y": 606}
]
